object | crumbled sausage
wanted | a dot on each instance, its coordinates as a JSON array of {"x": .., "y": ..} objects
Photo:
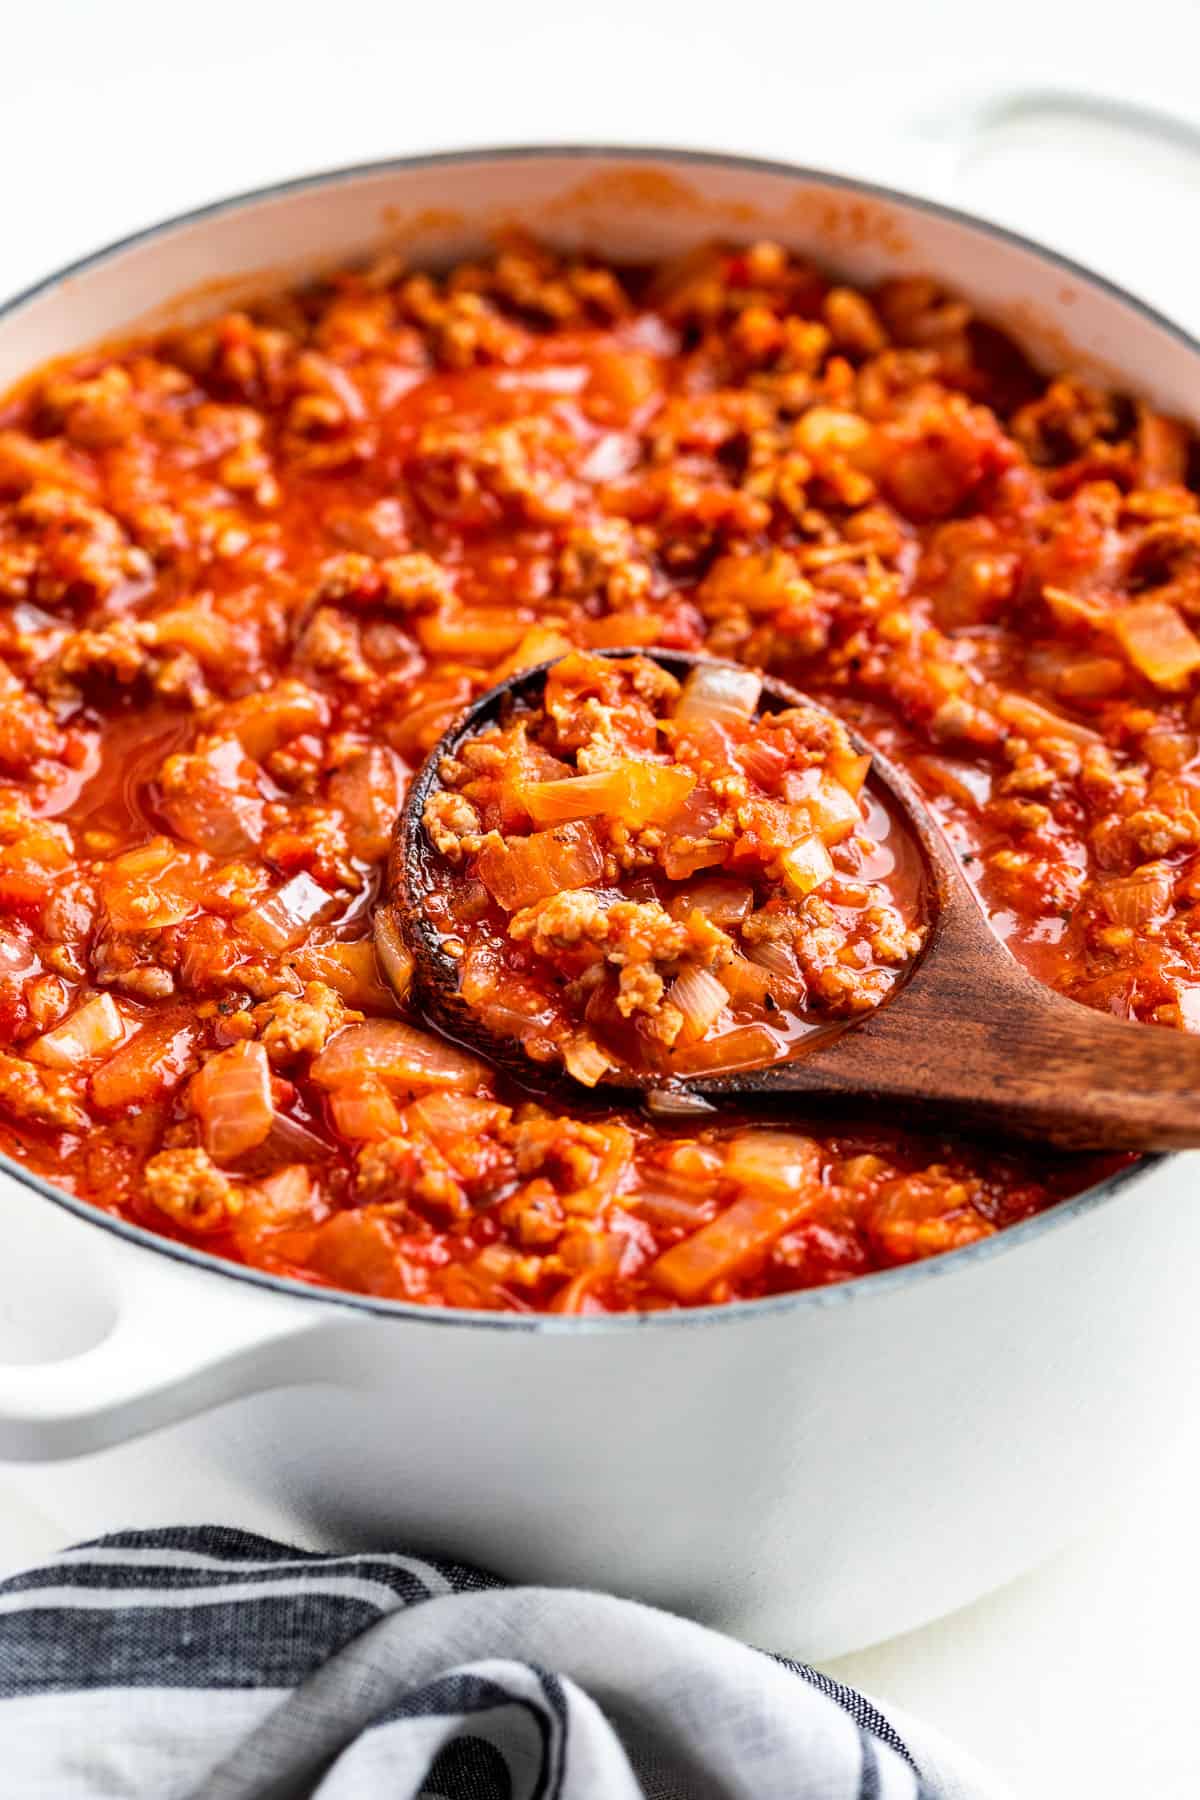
[
  {"x": 46, "y": 1098},
  {"x": 190, "y": 1190},
  {"x": 296, "y": 1025}
]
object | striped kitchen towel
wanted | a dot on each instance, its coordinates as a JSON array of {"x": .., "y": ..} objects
[{"x": 207, "y": 1664}]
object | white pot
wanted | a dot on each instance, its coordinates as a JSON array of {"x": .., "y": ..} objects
[{"x": 814, "y": 1472}]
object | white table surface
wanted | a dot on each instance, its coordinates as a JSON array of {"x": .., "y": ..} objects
[{"x": 1076, "y": 1683}]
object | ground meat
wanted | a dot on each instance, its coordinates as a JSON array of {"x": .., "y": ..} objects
[
  {"x": 188, "y": 1188},
  {"x": 413, "y": 581},
  {"x": 295, "y": 1025},
  {"x": 332, "y": 644},
  {"x": 28, "y": 733},
  {"x": 30, "y": 1093},
  {"x": 399, "y": 1166},
  {"x": 624, "y": 932},
  {"x": 453, "y": 825},
  {"x": 117, "y": 653},
  {"x": 131, "y": 962}
]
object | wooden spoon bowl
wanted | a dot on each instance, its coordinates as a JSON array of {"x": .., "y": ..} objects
[{"x": 968, "y": 1039}]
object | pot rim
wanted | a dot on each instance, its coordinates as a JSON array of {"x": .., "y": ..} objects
[{"x": 878, "y": 1282}]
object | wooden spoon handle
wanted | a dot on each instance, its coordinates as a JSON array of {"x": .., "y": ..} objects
[
  {"x": 1032, "y": 1070},
  {"x": 974, "y": 1041}
]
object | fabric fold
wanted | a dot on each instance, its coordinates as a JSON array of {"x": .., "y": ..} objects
[{"x": 208, "y": 1664}]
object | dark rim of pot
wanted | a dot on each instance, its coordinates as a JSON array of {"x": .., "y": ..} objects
[{"x": 879, "y": 1282}]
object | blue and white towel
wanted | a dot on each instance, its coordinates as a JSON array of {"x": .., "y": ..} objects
[{"x": 208, "y": 1664}]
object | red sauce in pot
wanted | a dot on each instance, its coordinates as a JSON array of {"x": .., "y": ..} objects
[{"x": 250, "y": 571}]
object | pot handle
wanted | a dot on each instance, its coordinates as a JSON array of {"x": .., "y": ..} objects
[
  {"x": 1074, "y": 169},
  {"x": 130, "y": 1340}
]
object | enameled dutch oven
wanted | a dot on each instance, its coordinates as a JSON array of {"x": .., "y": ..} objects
[{"x": 815, "y": 1471}]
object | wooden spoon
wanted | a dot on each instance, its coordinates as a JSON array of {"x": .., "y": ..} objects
[{"x": 970, "y": 1040}]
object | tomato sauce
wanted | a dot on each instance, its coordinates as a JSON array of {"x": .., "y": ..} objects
[{"x": 250, "y": 571}]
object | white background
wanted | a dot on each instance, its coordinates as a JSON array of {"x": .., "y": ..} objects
[{"x": 1076, "y": 1681}]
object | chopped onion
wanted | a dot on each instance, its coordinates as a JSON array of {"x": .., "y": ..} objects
[
  {"x": 393, "y": 954},
  {"x": 31, "y": 621},
  {"x": 351, "y": 970},
  {"x": 638, "y": 794},
  {"x": 468, "y": 632},
  {"x": 264, "y": 721},
  {"x": 368, "y": 789},
  {"x": 541, "y": 643},
  {"x": 765, "y": 762},
  {"x": 208, "y": 637},
  {"x": 231, "y": 1096},
  {"x": 356, "y": 1249},
  {"x": 92, "y": 1032},
  {"x": 523, "y": 870},
  {"x": 486, "y": 1277},
  {"x": 850, "y": 769},
  {"x": 685, "y": 1212},
  {"x": 469, "y": 901},
  {"x": 455, "y": 1122},
  {"x": 1071, "y": 609},
  {"x": 780, "y": 1160},
  {"x": 831, "y": 812},
  {"x": 150, "y": 887},
  {"x": 690, "y": 1163},
  {"x": 148, "y": 1065},
  {"x": 620, "y": 630},
  {"x": 689, "y": 847},
  {"x": 747, "y": 1047},
  {"x": 211, "y": 798},
  {"x": 612, "y": 455},
  {"x": 586, "y": 1061},
  {"x": 17, "y": 959},
  {"x": 861, "y": 1171},
  {"x": 281, "y": 920},
  {"x": 717, "y": 692},
  {"x": 607, "y": 1173},
  {"x": 1136, "y": 899},
  {"x": 403, "y": 1058},
  {"x": 577, "y": 1296},
  {"x": 1163, "y": 446},
  {"x": 519, "y": 1022},
  {"x": 365, "y": 1113},
  {"x": 279, "y": 1200},
  {"x": 599, "y": 1252},
  {"x": 781, "y": 965},
  {"x": 684, "y": 856},
  {"x": 724, "y": 1246},
  {"x": 777, "y": 956},
  {"x": 508, "y": 1006},
  {"x": 699, "y": 812},
  {"x": 1092, "y": 678},
  {"x": 701, "y": 999},
  {"x": 806, "y": 866},
  {"x": 288, "y": 1192},
  {"x": 1157, "y": 642},
  {"x": 721, "y": 899},
  {"x": 1036, "y": 721},
  {"x": 746, "y": 980}
]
